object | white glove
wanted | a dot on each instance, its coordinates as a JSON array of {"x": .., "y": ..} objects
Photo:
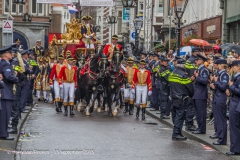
[
  {"x": 39, "y": 83},
  {"x": 87, "y": 37},
  {"x": 91, "y": 35},
  {"x": 133, "y": 91},
  {"x": 51, "y": 86},
  {"x": 43, "y": 79},
  {"x": 61, "y": 86},
  {"x": 149, "y": 93}
]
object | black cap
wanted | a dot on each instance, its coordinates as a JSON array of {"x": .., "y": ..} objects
[
  {"x": 14, "y": 50},
  {"x": 164, "y": 58},
  {"x": 151, "y": 53},
  {"x": 235, "y": 63},
  {"x": 221, "y": 61},
  {"x": 143, "y": 52},
  {"x": 196, "y": 49},
  {"x": 199, "y": 56},
  {"x": 177, "y": 58},
  {"x": 6, "y": 49},
  {"x": 24, "y": 52},
  {"x": 181, "y": 61}
]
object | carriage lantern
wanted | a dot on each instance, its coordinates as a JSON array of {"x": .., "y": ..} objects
[
  {"x": 20, "y": 1},
  {"x": 129, "y": 3}
]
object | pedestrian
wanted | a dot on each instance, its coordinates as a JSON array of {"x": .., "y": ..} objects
[
  {"x": 181, "y": 89},
  {"x": 8, "y": 92},
  {"x": 219, "y": 101},
  {"x": 200, "y": 97},
  {"x": 234, "y": 109}
]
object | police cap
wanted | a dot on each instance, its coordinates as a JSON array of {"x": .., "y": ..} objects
[
  {"x": 196, "y": 49},
  {"x": 181, "y": 61},
  {"x": 24, "y": 52},
  {"x": 221, "y": 61},
  {"x": 7, "y": 49},
  {"x": 235, "y": 63},
  {"x": 199, "y": 56}
]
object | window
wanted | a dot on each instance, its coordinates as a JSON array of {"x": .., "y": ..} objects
[
  {"x": 12, "y": 7},
  {"x": 68, "y": 15},
  {"x": 64, "y": 15},
  {"x": 140, "y": 6},
  {"x": 37, "y": 8},
  {"x": 160, "y": 8}
]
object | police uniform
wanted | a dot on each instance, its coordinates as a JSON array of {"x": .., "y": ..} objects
[
  {"x": 19, "y": 47},
  {"x": 165, "y": 90},
  {"x": 190, "y": 111},
  {"x": 68, "y": 80},
  {"x": 1, "y": 87},
  {"x": 234, "y": 113},
  {"x": 7, "y": 93},
  {"x": 54, "y": 83},
  {"x": 88, "y": 32},
  {"x": 219, "y": 104},
  {"x": 200, "y": 96},
  {"x": 143, "y": 84},
  {"x": 155, "y": 91},
  {"x": 181, "y": 89}
]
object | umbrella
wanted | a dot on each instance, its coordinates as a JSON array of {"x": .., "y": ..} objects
[
  {"x": 199, "y": 42},
  {"x": 229, "y": 47}
]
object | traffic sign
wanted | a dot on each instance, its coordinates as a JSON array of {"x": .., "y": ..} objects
[
  {"x": 133, "y": 35},
  {"x": 7, "y": 26}
]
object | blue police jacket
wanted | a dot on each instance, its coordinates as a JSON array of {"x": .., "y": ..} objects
[
  {"x": 221, "y": 86},
  {"x": 9, "y": 79},
  {"x": 201, "y": 82}
]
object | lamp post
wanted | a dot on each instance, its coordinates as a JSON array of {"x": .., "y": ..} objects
[
  {"x": 179, "y": 6},
  {"x": 111, "y": 20},
  {"x": 129, "y": 3},
  {"x": 138, "y": 22}
]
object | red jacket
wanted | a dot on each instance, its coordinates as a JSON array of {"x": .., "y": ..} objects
[
  {"x": 55, "y": 73},
  {"x": 142, "y": 79},
  {"x": 108, "y": 49},
  {"x": 68, "y": 75}
]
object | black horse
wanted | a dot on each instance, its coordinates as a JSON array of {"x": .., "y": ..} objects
[{"x": 113, "y": 81}]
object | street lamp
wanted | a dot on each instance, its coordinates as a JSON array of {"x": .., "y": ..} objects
[
  {"x": 138, "y": 22},
  {"x": 179, "y": 6},
  {"x": 111, "y": 19},
  {"x": 27, "y": 17},
  {"x": 20, "y": 1},
  {"x": 128, "y": 3}
]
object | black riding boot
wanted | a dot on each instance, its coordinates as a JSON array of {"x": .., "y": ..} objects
[
  {"x": 130, "y": 109},
  {"x": 57, "y": 106},
  {"x": 138, "y": 110},
  {"x": 143, "y": 113},
  {"x": 60, "y": 106},
  {"x": 13, "y": 130},
  {"x": 126, "y": 107},
  {"x": 66, "y": 110},
  {"x": 71, "y": 111}
]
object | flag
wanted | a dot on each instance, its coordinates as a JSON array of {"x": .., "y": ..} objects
[
  {"x": 172, "y": 3},
  {"x": 71, "y": 9}
]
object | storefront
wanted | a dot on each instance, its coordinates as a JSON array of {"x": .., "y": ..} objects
[{"x": 209, "y": 29}]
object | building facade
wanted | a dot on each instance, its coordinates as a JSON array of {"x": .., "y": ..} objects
[
  {"x": 203, "y": 18},
  {"x": 27, "y": 31}
]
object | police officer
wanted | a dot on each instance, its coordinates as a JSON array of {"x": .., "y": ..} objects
[
  {"x": 165, "y": 70},
  {"x": 181, "y": 89},
  {"x": 155, "y": 82},
  {"x": 144, "y": 56},
  {"x": 190, "y": 111},
  {"x": 8, "y": 92},
  {"x": 19, "y": 47},
  {"x": 219, "y": 101},
  {"x": 150, "y": 68},
  {"x": 33, "y": 63},
  {"x": 1, "y": 87},
  {"x": 200, "y": 97},
  {"x": 234, "y": 109}
]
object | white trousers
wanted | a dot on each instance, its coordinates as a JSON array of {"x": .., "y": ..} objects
[
  {"x": 39, "y": 94},
  {"x": 141, "y": 94},
  {"x": 58, "y": 91},
  {"x": 68, "y": 91},
  {"x": 128, "y": 94},
  {"x": 89, "y": 45}
]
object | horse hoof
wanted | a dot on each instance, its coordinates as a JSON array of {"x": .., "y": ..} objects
[
  {"x": 91, "y": 110},
  {"x": 115, "y": 114},
  {"x": 81, "y": 110},
  {"x": 106, "y": 109},
  {"x": 88, "y": 113},
  {"x": 78, "y": 109},
  {"x": 110, "y": 114},
  {"x": 99, "y": 110}
]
